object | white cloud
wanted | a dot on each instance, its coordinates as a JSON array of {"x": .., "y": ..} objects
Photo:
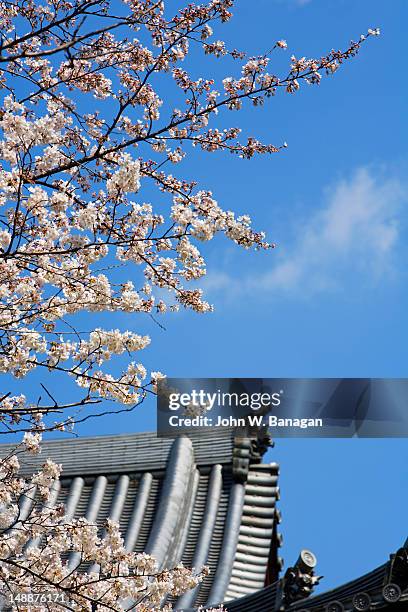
[{"x": 353, "y": 236}]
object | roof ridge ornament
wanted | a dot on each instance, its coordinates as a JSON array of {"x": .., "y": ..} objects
[
  {"x": 299, "y": 581},
  {"x": 250, "y": 445}
]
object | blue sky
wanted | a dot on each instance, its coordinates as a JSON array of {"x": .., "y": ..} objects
[{"x": 331, "y": 300}]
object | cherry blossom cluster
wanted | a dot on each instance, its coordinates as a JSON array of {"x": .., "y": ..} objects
[
  {"x": 36, "y": 537},
  {"x": 85, "y": 136}
]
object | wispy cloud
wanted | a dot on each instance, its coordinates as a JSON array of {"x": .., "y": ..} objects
[{"x": 354, "y": 234}]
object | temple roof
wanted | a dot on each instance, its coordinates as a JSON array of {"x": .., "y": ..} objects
[
  {"x": 207, "y": 499},
  {"x": 203, "y": 500}
]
